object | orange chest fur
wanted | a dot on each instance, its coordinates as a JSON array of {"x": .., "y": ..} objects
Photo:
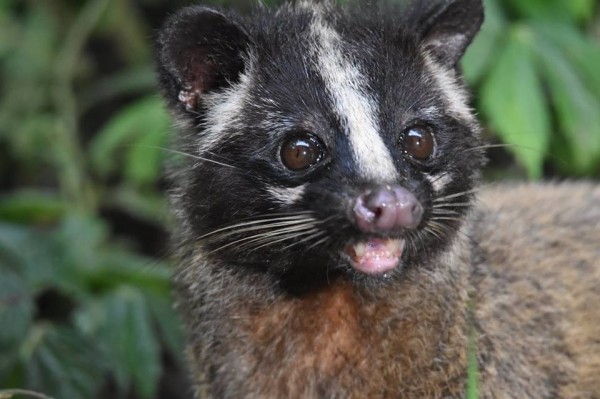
[{"x": 334, "y": 337}]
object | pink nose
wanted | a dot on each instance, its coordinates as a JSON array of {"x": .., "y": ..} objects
[{"x": 386, "y": 209}]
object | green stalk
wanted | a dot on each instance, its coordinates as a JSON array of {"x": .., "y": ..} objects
[
  {"x": 11, "y": 393},
  {"x": 472, "y": 365},
  {"x": 75, "y": 185}
]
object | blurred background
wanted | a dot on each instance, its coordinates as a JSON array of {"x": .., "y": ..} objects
[{"x": 85, "y": 301}]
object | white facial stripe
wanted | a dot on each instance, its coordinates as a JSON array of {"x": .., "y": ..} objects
[
  {"x": 287, "y": 196},
  {"x": 454, "y": 94},
  {"x": 354, "y": 106},
  {"x": 439, "y": 182},
  {"x": 308, "y": 5},
  {"x": 223, "y": 114}
]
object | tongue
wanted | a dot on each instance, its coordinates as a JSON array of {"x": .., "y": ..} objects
[{"x": 375, "y": 256}]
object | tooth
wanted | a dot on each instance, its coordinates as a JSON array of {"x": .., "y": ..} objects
[{"x": 360, "y": 249}]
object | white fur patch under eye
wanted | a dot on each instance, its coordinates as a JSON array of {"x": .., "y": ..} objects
[
  {"x": 287, "y": 196},
  {"x": 454, "y": 94},
  {"x": 354, "y": 106},
  {"x": 439, "y": 182}
]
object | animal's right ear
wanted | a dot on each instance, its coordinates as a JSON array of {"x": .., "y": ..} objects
[
  {"x": 449, "y": 27},
  {"x": 199, "y": 50}
]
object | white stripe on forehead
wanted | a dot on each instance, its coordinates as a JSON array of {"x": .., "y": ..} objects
[
  {"x": 455, "y": 95},
  {"x": 354, "y": 106}
]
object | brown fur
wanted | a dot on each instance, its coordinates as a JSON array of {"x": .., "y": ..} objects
[
  {"x": 531, "y": 264},
  {"x": 538, "y": 291}
]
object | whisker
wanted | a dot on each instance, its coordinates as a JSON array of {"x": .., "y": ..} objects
[
  {"x": 444, "y": 212},
  {"x": 451, "y": 204},
  {"x": 489, "y": 146},
  {"x": 293, "y": 218},
  {"x": 523, "y": 147},
  {"x": 286, "y": 238},
  {"x": 440, "y": 176},
  {"x": 420, "y": 240},
  {"x": 433, "y": 233},
  {"x": 447, "y": 218},
  {"x": 461, "y": 194},
  {"x": 269, "y": 226},
  {"x": 187, "y": 155},
  {"x": 262, "y": 236},
  {"x": 317, "y": 235},
  {"x": 316, "y": 244},
  {"x": 457, "y": 231}
]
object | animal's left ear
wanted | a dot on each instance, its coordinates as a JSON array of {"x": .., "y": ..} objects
[{"x": 450, "y": 28}]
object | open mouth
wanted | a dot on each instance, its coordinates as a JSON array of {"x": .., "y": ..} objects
[{"x": 375, "y": 256}]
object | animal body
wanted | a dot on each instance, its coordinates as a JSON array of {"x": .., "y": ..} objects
[{"x": 331, "y": 237}]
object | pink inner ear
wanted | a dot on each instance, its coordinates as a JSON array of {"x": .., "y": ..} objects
[
  {"x": 199, "y": 75},
  {"x": 200, "y": 72}
]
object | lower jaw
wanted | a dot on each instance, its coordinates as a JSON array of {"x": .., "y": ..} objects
[
  {"x": 376, "y": 269},
  {"x": 382, "y": 260}
]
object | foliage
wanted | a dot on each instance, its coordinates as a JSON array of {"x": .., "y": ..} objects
[
  {"x": 85, "y": 306},
  {"x": 82, "y": 310},
  {"x": 535, "y": 71}
]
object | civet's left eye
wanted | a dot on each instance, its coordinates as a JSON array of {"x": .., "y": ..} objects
[
  {"x": 418, "y": 142},
  {"x": 302, "y": 151}
]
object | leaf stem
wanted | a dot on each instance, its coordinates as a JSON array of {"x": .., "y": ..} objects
[
  {"x": 9, "y": 393},
  {"x": 70, "y": 155}
]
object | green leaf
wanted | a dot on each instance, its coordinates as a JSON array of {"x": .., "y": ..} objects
[
  {"x": 514, "y": 102},
  {"x": 481, "y": 53},
  {"x": 12, "y": 241},
  {"x": 577, "y": 108},
  {"x": 118, "y": 268},
  {"x": 81, "y": 237},
  {"x": 168, "y": 323},
  {"x": 27, "y": 253},
  {"x": 128, "y": 142},
  {"x": 31, "y": 207},
  {"x": 29, "y": 139},
  {"x": 59, "y": 259},
  {"x": 582, "y": 52},
  {"x": 6, "y": 5},
  {"x": 122, "y": 325},
  {"x": 145, "y": 160},
  {"x": 62, "y": 363},
  {"x": 144, "y": 204},
  {"x": 582, "y": 10},
  {"x": 561, "y": 10},
  {"x": 16, "y": 308},
  {"x": 8, "y": 33},
  {"x": 16, "y": 296},
  {"x": 16, "y": 315},
  {"x": 123, "y": 83}
]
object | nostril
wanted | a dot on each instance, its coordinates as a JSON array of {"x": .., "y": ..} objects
[
  {"x": 417, "y": 214},
  {"x": 387, "y": 209},
  {"x": 415, "y": 209}
]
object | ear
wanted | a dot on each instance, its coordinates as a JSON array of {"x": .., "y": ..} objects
[
  {"x": 199, "y": 50},
  {"x": 450, "y": 27}
]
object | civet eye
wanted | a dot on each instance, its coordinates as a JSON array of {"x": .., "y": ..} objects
[
  {"x": 301, "y": 151},
  {"x": 418, "y": 142}
]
